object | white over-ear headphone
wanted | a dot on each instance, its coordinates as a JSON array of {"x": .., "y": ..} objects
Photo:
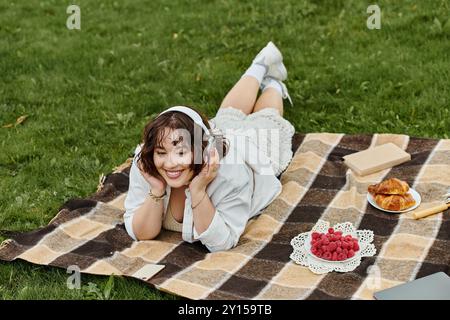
[
  {"x": 212, "y": 134},
  {"x": 192, "y": 114}
]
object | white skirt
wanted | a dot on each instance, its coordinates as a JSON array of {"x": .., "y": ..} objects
[{"x": 266, "y": 128}]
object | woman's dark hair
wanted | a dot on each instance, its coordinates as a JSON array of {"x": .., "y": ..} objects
[{"x": 153, "y": 137}]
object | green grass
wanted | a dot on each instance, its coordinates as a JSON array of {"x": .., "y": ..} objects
[{"x": 88, "y": 93}]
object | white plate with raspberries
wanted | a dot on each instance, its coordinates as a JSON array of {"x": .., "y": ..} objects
[
  {"x": 333, "y": 245},
  {"x": 337, "y": 248}
]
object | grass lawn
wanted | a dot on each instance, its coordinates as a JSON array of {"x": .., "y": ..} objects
[{"x": 88, "y": 93}]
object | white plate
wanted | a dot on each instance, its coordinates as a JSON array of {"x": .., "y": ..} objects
[
  {"x": 362, "y": 246},
  {"x": 414, "y": 194}
]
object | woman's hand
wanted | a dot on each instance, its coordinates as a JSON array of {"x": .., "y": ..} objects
[
  {"x": 157, "y": 185},
  {"x": 208, "y": 173}
]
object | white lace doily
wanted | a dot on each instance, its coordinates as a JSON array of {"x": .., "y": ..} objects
[{"x": 302, "y": 248}]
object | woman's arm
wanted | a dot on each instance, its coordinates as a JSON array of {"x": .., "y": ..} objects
[
  {"x": 147, "y": 220},
  {"x": 204, "y": 210},
  {"x": 226, "y": 223},
  {"x": 143, "y": 216},
  {"x": 219, "y": 227}
]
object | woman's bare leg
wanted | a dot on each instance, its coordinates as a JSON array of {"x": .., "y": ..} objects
[
  {"x": 243, "y": 95},
  {"x": 270, "y": 98}
]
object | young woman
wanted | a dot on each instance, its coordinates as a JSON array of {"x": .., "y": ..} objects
[{"x": 176, "y": 185}]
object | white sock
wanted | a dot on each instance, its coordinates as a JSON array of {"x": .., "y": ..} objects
[
  {"x": 272, "y": 83},
  {"x": 256, "y": 71}
]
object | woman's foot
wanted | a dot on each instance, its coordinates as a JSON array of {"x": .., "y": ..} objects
[
  {"x": 271, "y": 58},
  {"x": 268, "y": 63},
  {"x": 268, "y": 56},
  {"x": 277, "y": 71},
  {"x": 269, "y": 82}
]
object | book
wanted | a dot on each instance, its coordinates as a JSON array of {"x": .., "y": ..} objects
[{"x": 375, "y": 159}]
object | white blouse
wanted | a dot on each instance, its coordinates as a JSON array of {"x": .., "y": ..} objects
[{"x": 245, "y": 184}]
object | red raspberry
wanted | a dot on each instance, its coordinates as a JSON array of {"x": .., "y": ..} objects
[
  {"x": 341, "y": 256},
  {"x": 331, "y": 230},
  {"x": 338, "y": 250},
  {"x": 334, "y": 257},
  {"x": 315, "y": 235},
  {"x": 324, "y": 248},
  {"x": 355, "y": 246},
  {"x": 345, "y": 251},
  {"x": 319, "y": 253},
  {"x": 332, "y": 246},
  {"x": 338, "y": 233},
  {"x": 351, "y": 253},
  {"x": 327, "y": 256},
  {"x": 326, "y": 242},
  {"x": 348, "y": 238},
  {"x": 339, "y": 243}
]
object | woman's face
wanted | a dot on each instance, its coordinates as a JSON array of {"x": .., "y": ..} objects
[{"x": 173, "y": 159}]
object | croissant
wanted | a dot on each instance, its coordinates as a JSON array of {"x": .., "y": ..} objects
[
  {"x": 395, "y": 202},
  {"x": 389, "y": 186}
]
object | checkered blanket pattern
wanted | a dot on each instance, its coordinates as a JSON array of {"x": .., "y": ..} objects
[{"x": 90, "y": 234}]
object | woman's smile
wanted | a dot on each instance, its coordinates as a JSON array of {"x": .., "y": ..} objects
[{"x": 174, "y": 174}]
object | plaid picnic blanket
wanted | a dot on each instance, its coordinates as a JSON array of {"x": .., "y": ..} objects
[{"x": 90, "y": 234}]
